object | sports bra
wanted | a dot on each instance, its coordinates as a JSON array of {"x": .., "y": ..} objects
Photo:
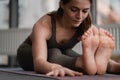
[{"x": 52, "y": 43}]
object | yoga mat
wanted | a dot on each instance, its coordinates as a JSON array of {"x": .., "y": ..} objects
[{"x": 19, "y": 74}]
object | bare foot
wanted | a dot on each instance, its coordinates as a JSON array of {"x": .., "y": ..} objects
[
  {"x": 113, "y": 67},
  {"x": 90, "y": 42},
  {"x": 104, "y": 52}
]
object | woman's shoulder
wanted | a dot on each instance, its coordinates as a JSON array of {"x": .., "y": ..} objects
[
  {"x": 45, "y": 20},
  {"x": 43, "y": 25}
]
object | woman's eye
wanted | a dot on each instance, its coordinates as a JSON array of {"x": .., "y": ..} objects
[
  {"x": 73, "y": 9},
  {"x": 85, "y": 11}
]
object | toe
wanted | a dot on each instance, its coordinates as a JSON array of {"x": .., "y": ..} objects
[
  {"x": 95, "y": 31},
  {"x": 101, "y": 32}
]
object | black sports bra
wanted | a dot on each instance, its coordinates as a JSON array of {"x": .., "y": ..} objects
[{"x": 52, "y": 43}]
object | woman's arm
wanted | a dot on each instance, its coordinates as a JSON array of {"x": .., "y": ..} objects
[{"x": 41, "y": 32}]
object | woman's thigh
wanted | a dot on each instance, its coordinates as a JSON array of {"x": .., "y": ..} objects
[
  {"x": 55, "y": 55},
  {"x": 71, "y": 53},
  {"x": 24, "y": 56}
]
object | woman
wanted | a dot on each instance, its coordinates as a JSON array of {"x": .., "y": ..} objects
[{"x": 49, "y": 47}]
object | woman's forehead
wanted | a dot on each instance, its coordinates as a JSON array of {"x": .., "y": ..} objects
[{"x": 80, "y": 3}]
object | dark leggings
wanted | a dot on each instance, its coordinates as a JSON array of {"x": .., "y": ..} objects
[{"x": 65, "y": 58}]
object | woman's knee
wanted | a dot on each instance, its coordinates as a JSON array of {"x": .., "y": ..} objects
[
  {"x": 53, "y": 53},
  {"x": 54, "y": 50},
  {"x": 71, "y": 53}
]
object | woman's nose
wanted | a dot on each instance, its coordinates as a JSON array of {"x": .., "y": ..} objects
[{"x": 79, "y": 15}]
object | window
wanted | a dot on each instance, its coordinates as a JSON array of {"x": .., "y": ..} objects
[
  {"x": 24, "y": 13},
  {"x": 31, "y": 10},
  {"x": 108, "y": 12},
  {"x": 4, "y": 14},
  {"x": 108, "y": 17}
]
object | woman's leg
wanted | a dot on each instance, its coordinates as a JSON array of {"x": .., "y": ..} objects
[
  {"x": 113, "y": 67},
  {"x": 71, "y": 53},
  {"x": 56, "y": 56},
  {"x": 79, "y": 59},
  {"x": 90, "y": 42},
  {"x": 104, "y": 51},
  {"x": 24, "y": 56}
]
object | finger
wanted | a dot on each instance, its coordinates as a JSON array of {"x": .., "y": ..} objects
[
  {"x": 56, "y": 73},
  {"x": 69, "y": 72},
  {"x": 78, "y": 73},
  {"x": 50, "y": 73},
  {"x": 62, "y": 73}
]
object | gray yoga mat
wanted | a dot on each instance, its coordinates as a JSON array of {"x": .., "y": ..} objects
[{"x": 19, "y": 74}]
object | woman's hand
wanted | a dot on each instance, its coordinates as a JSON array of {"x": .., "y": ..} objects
[{"x": 62, "y": 71}]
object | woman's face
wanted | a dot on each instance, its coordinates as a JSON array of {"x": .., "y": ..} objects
[{"x": 76, "y": 11}]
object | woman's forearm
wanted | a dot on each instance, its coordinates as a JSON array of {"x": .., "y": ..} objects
[{"x": 43, "y": 66}]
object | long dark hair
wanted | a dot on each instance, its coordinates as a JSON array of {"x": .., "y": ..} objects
[{"x": 83, "y": 27}]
